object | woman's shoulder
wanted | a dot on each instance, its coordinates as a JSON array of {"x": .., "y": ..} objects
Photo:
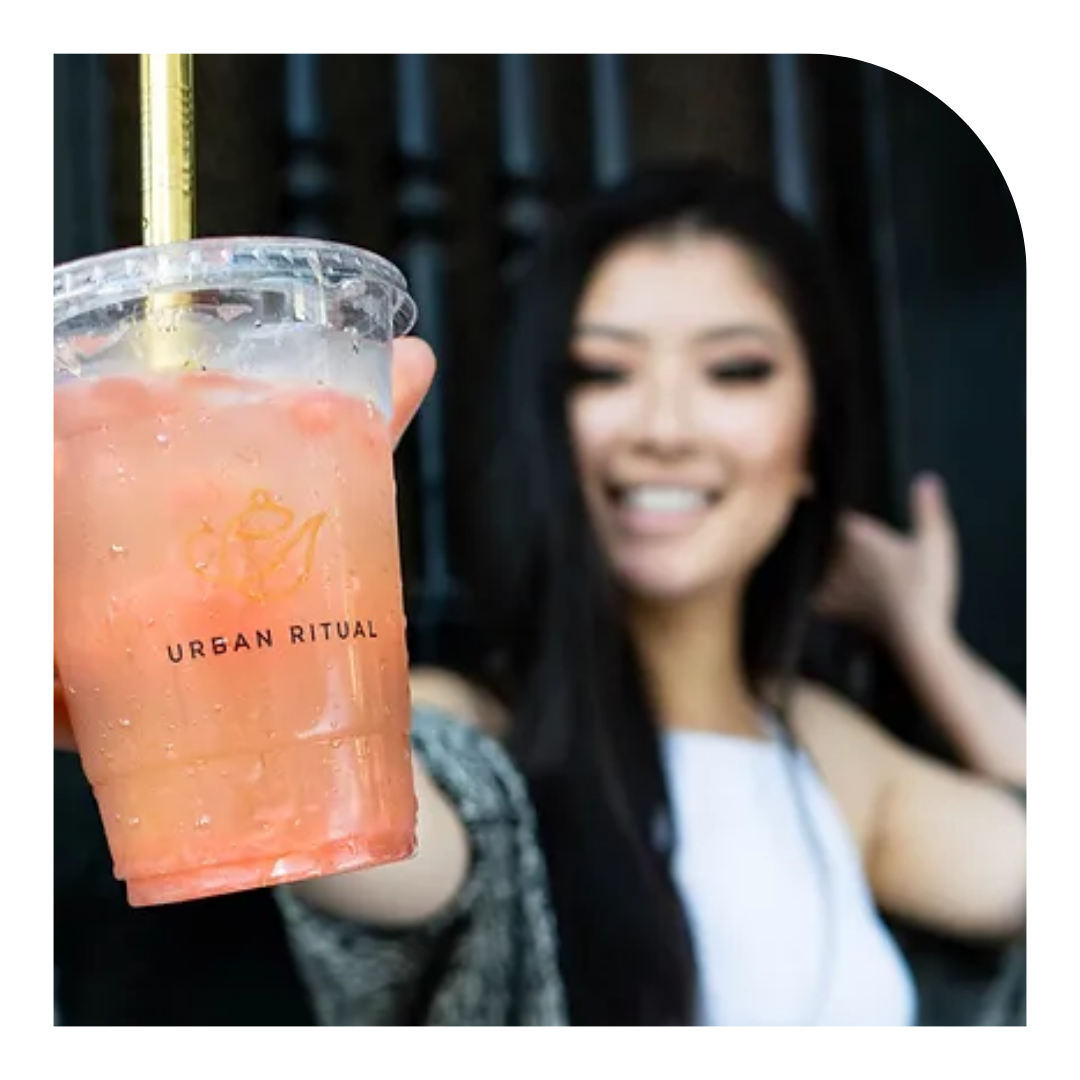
[
  {"x": 851, "y": 751},
  {"x": 822, "y": 717},
  {"x": 827, "y": 723}
]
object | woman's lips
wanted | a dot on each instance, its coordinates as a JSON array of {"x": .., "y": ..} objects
[{"x": 654, "y": 510}]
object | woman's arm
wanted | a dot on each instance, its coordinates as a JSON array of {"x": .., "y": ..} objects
[
  {"x": 983, "y": 716},
  {"x": 942, "y": 847},
  {"x": 490, "y": 956},
  {"x": 903, "y": 588},
  {"x": 406, "y": 893},
  {"x": 413, "y": 892}
]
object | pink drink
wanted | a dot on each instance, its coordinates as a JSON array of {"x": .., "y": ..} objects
[{"x": 229, "y": 627}]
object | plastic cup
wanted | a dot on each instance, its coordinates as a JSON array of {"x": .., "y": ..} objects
[{"x": 229, "y": 630}]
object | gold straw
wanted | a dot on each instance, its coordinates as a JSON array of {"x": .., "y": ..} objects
[
  {"x": 167, "y": 116},
  {"x": 166, "y": 82}
]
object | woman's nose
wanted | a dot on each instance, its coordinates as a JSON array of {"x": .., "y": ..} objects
[{"x": 664, "y": 422}]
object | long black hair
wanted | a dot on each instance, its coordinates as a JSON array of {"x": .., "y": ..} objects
[{"x": 583, "y": 729}]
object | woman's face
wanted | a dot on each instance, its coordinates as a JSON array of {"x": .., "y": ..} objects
[{"x": 690, "y": 414}]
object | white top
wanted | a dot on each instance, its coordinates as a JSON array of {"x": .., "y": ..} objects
[{"x": 783, "y": 935}]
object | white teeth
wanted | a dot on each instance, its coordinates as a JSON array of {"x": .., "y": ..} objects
[{"x": 664, "y": 500}]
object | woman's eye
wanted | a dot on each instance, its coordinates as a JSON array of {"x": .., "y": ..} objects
[
  {"x": 741, "y": 371},
  {"x": 596, "y": 374}
]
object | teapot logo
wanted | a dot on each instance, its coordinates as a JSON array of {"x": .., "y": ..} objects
[{"x": 260, "y": 552}]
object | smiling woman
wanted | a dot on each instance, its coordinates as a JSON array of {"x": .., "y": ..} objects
[{"x": 669, "y": 487}]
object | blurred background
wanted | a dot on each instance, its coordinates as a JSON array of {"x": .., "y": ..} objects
[{"x": 451, "y": 165}]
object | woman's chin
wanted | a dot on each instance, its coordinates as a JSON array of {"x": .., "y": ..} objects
[{"x": 664, "y": 585}]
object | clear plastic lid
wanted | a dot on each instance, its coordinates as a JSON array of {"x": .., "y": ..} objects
[{"x": 117, "y": 277}]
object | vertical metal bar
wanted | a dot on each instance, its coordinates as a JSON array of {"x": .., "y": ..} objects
[
  {"x": 611, "y": 137},
  {"x": 303, "y": 103},
  {"x": 422, "y": 209},
  {"x": 81, "y": 146},
  {"x": 883, "y": 239},
  {"x": 792, "y": 137},
  {"x": 522, "y": 156},
  {"x": 519, "y": 133},
  {"x": 309, "y": 170},
  {"x": 417, "y": 139}
]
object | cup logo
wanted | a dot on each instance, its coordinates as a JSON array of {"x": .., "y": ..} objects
[{"x": 260, "y": 552}]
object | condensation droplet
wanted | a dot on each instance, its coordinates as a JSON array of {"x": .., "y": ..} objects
[
  {"x": 202, "y": 821},
  {"x": 125, "y": 721},
  {"x": 118, "y": 549},
  {"x": 162, "y": 438}
]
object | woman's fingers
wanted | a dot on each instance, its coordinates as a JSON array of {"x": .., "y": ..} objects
[{"x": 412, "y": 372}]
